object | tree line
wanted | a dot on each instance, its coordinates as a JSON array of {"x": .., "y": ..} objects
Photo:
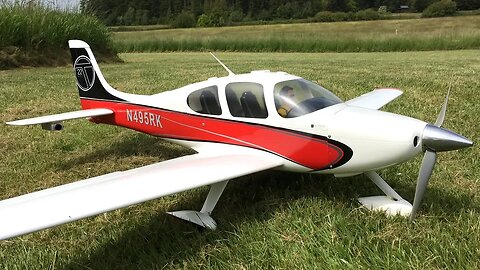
[{"x": 221, "y": 12}]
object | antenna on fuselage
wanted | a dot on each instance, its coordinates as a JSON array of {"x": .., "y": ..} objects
[{"x": 225, "y": 67}]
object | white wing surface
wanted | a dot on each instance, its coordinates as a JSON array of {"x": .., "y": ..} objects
[
  {"x": 376, "y": 98},
  {"x": 60, "y": 117},
  {"x": 62, "y": 204}
]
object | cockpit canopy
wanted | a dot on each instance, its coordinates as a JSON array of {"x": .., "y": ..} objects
[
  {"x": 299, "y": 97},
  {"x": 292, "y": 98}
]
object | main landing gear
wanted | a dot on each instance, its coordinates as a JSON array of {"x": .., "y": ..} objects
[{"x": 203, "y": 217}]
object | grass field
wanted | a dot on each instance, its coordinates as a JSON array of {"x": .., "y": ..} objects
[
  {"x": 450, "y": 33},
  {"x": 268, "y": 220}
]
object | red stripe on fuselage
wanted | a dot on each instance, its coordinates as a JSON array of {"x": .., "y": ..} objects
[{"x": 308, "y": 151}]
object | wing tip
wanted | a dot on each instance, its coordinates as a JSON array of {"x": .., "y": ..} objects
[
  {"x": 399, "y": 91},
  {"x": 15, "y": 123}
]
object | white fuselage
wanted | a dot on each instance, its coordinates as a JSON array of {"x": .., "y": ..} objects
[{"x": 375, "y": 139}]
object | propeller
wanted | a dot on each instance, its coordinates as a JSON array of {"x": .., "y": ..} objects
[{"x": 435, "y": 139}]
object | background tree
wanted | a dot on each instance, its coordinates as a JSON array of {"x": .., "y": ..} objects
[
  {"x": 127, "y": 12},
  {"x": 468, "y": 4},
  {"x": 421, "y": 5}
]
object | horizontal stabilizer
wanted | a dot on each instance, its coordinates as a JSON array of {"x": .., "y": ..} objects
[
  {"x": 55, "y": 118},
  {"x": 66, "y": 203},
  {"x": 376, "y": 98}
]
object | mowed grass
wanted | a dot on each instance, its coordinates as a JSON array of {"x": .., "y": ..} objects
[
  {"x": 267, "y": 220},
  {"x": 449, "y": 33}
]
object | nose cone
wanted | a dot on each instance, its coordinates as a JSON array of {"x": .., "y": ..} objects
[{"x": 438, "y": 139}]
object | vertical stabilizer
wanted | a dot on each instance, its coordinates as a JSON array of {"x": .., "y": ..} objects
[{"x": 90, "y": 82}]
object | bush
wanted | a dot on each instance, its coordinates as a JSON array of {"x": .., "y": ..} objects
[
  {"x": 185, "y": 20},
  {"x": 324, "y": 16},
  {"x": 211, "y": 20},
  {"x": 367, "y": 15},
  {"x": 342, "y": 16},
  {"x": 440, "y": 9},
  {"x": 328, "y": 16}
]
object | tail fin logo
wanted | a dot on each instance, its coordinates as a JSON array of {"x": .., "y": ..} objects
[{"x": 84, "y": 73}]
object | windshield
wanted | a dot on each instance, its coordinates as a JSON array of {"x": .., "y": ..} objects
[{"x": 299, "y": 97}]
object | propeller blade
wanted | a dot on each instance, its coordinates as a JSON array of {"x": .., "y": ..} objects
[
  {"x": 435, "y": 139},
  {"x": 428, "y": 163},
  {"x": 441, "y": 115}
]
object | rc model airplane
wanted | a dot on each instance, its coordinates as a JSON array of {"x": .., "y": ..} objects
[{"x": 238, "y": 125}]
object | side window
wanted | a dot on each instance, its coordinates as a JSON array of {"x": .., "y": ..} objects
[
  {"x": 246, "y": 100},
  {"x": 205, "y": 101}
]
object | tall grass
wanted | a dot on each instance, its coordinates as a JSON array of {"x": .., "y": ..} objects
[
  {"x": 35, "y": 29},
  {"x": 285, "y": 45},
  {"x": 370, "y": 36}
]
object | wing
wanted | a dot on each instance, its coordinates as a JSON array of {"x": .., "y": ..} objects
[
  {"x": 376, "y": 98},
  {"x": 60, "y": 117},
  {"x": 62, "y": 204}
]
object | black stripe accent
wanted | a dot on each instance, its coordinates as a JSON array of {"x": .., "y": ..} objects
[
  {"x": 87, "y": 79},
  {"x": 338, "y": 164}
]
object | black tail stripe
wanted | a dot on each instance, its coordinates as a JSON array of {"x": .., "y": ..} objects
[{"x": 88, "y": 83}]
